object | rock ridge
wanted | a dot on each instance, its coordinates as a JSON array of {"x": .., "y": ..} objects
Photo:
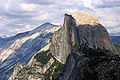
[{"x": 95, "y": 36}]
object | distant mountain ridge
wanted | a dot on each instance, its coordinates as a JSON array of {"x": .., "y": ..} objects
[
  {"x": 115, "y": 38},
  {"x": 2, "y": 36},
  {"x": 21, "y": 47}
]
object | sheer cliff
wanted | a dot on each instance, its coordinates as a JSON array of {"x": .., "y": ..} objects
[
  {"x": 87, "y": 51},
  {"x": 80, "y": 28}
]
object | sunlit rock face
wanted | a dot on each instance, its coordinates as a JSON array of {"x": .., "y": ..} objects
[
  {"x": 80, "y": 28},
  {"x": 23, "y": 46},
  {"x": 83, "y": 18}
]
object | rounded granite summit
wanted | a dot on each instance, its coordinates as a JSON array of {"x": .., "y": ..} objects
[{"x": 83, "y": 18}]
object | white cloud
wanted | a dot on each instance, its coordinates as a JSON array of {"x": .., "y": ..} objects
[
  {"x": 71, "y": 10},
  {"x": 109, "y": 23},
  {"x": 28, "y": 14},
  {"x": 28, "y": 27},
  {"x": 27, "y": 7},
  {"x": 19, "y": 24},
  {"x": 43, "y": 16},
  {"x": 88, "y": 3},
  {"x": 114, "y": 29}
]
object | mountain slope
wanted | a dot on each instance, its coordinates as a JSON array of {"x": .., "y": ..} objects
[
  {"x": 42, "y": 66},
  {"x": 23, "y": 46},
  {"x": 3, "y": 36}
]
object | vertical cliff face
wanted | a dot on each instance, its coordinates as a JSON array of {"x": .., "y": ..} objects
[
  {"x": 63, "y": 39},
  {"x": 91, "y": 54},
  {"x": 80, "y": 28}
]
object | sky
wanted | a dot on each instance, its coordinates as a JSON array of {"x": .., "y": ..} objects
[{"x": 18, "y": 16}]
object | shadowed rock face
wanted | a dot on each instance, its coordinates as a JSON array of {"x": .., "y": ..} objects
[
  {"x": 86, "y": 63},
  {"x": 77, "y": 32}
]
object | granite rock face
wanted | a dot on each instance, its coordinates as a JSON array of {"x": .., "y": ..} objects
[
  {"x": 32, "y": 72},
  {"x": 80, "y": 28},
  {"x": 86, "y": 63}
]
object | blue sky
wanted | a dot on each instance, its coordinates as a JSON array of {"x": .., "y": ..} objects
[{"x": 18, "y": 16}]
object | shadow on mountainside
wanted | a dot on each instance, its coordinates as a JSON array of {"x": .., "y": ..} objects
[{"x": 91, "y": 64}]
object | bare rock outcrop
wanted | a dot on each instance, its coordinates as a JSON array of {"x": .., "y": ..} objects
[
  {"x": 32, "y": 72},
  {"x": 80, "y": 28}
]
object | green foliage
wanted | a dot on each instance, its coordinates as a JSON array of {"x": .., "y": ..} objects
[
  {"x": 58, "y": 70},
  {"x": 43, "y": 57},
  {"x": 59, "y": 66},
  {"x": 26, "y": 70},
  {"x": 30, "y": 72},
  {"x": 48, "y": 73},
  {"x": 55, "y": 70}
]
